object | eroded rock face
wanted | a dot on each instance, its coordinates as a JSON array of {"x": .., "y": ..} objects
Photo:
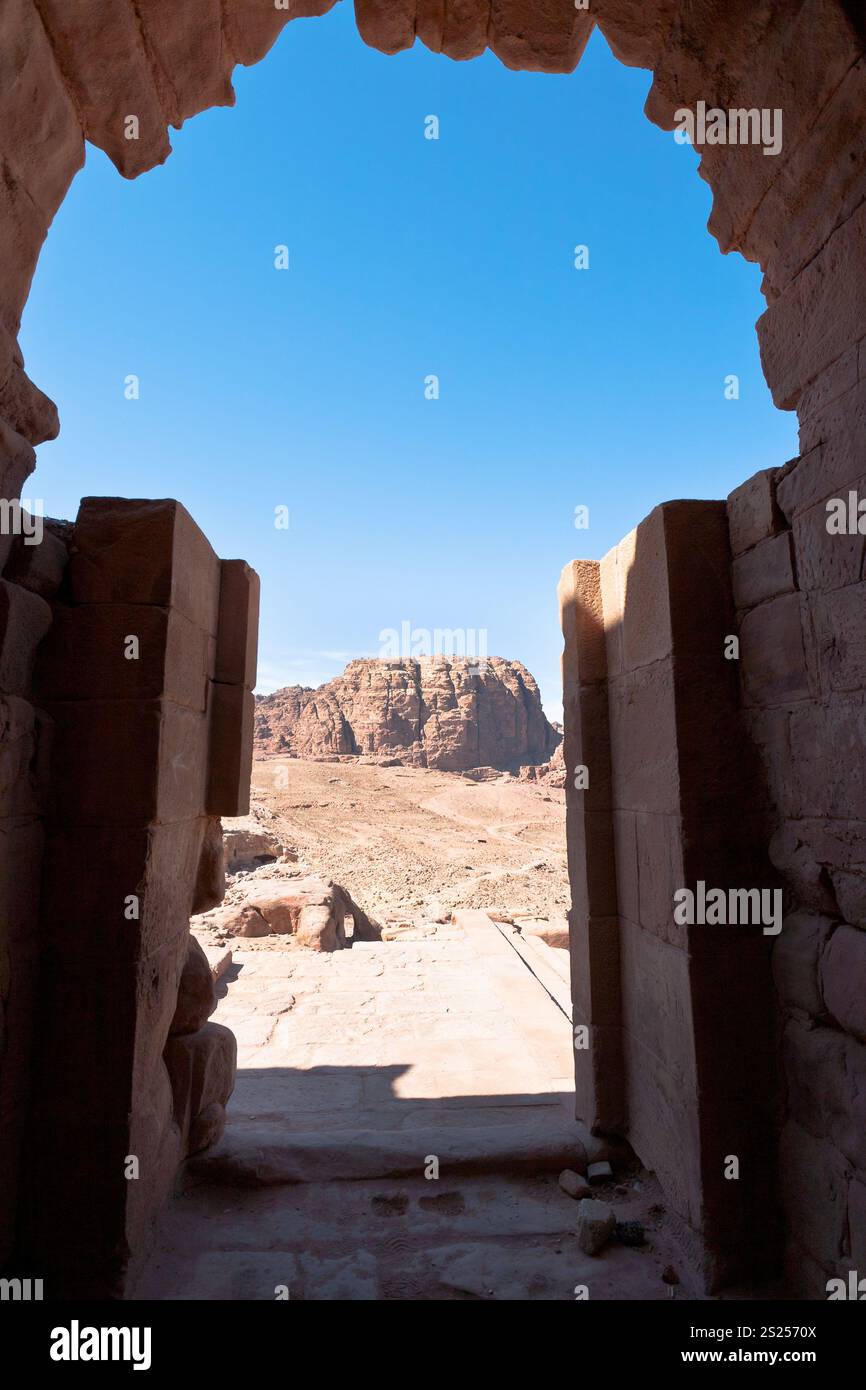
[{"x": 439, "y": 712}]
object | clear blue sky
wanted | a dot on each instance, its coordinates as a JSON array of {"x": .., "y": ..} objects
[{"x": 305, "y": 388}]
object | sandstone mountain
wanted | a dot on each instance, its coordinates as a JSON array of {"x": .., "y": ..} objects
[{"x": 438, "y": 712}]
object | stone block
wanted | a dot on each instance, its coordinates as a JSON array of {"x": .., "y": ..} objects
[
  {"x": 152, "y": 768},
  {"x": 196, "y": 997},
  {"x": 24, "y": 620},
  {"x": 770, "y": 732},
  {"x": 816, "y": 1210},
  {"x": 594, "y": 946},
  {"x": 772, "y": 654},
  {"x": 627, "y": 882},
  {"x": 599, "y": 1079},
  {"x": 595, "y": 1223},
  {"x": 645, "y": 751},
  {"x": 230, "y": 756},
  {"x": 580, "y": 601},
  {"x": 660, "y": 871},
  {"x": 839, "y": 620},
  {"x": 157, "y": 865},
  {"x": 238, "y": 626},
  {"x": 19, "y": 739},
  {"x": 126, "y": 550},
  {"x": 829, "y": 295},
  {"x": 592, "y": 869},
  {"x": 849, "y": 885},
  {"x": 642, "y": 563},
  {"x": 796, "y": 960},
  {"x": 764, "y": 572},
  {"x": 843, "y": 979},
  {"x": 587, "y": 744},
  {"x": 825, "y": 559},
  {"x": 660, "y": 1064},
  {"x": 753, "y": 513},
  {"x": 840, "y": 377},
  {"x": 826, "y": 1075},
  {"x": 210, "y": 883},
  {"x": 719, "y": 776},
  {"x": 828, "y": 741},
  {"x": 125, "y": 651},
  {"x": 201, "y": 1067}
]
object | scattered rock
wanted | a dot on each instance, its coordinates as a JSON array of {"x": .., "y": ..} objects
[
  {"x": 599, "y": 1172},
  {"x": 572, "y": 1184},
  {"x": 219, "y": 958},
  {"x": 595, "y": 1225}
]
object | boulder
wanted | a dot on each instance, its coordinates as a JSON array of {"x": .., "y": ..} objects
[
  {"x": 312, "y": 910},
  {"x": 595, "y": 1225}
]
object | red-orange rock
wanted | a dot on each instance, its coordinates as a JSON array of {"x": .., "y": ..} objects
[{"x": 440, "y": 712}]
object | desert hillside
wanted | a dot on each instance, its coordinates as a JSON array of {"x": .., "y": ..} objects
[{"x": 412, "y": 845}]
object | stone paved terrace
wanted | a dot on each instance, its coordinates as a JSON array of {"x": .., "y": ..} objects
[{"x": 357, "y": 1067}]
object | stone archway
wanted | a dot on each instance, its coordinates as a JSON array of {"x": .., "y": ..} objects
[{"x": 120, "y": 74}]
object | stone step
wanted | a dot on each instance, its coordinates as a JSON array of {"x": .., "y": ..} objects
[{"x": 261, "y": 1155}]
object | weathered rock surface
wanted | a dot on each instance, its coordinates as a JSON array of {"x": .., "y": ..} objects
[
  {"x": 196, "y": 997},
  {"x": 551, "y": 773},
  {"x": 312, "y": 910},
  {"x": 439, "y": 712},
  {"x": 247, "y": 844}
]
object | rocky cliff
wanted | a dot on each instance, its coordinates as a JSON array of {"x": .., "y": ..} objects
[{"x": 440, "y": 712}]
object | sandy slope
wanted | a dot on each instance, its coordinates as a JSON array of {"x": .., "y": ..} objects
[{"x": 408, "y": 841}]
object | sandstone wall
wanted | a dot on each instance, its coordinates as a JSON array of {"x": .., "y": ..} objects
[
  {"x": 663, "y": 790},
  {"x": 799, "y": 589},
  {"x": 146, "y": 676}
]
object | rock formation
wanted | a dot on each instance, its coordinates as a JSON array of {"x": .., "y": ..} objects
[
  {"x": 447, "y": 713},
  {"x": 312, "y": 910}
]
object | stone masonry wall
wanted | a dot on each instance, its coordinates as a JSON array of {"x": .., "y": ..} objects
[
  {"x": 663, "y": 790},
  {"x": 145, "y": 675}
]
